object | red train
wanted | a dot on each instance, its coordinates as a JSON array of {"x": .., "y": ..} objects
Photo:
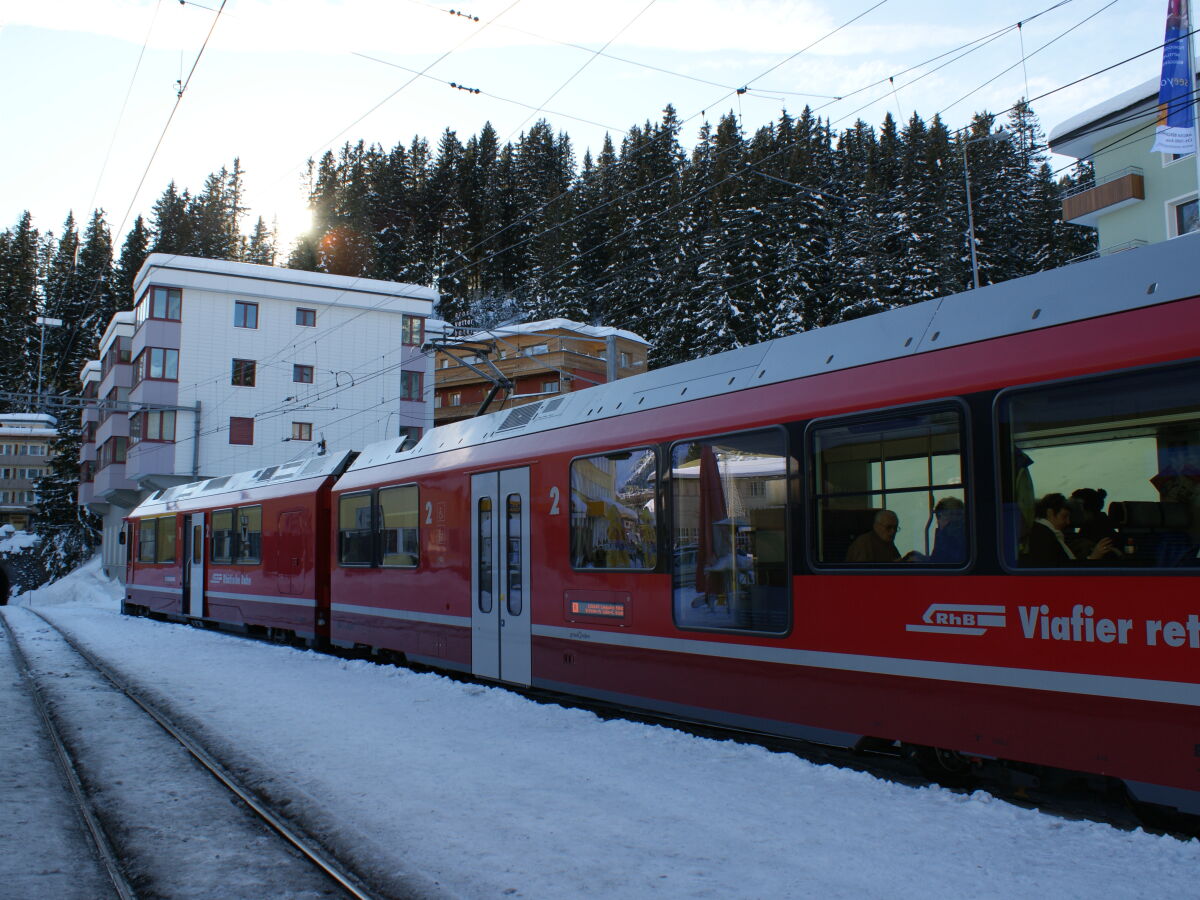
[{"x": 969, "y": 524}]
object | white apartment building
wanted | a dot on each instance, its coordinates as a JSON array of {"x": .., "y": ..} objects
[
  {"x": 232, "y": 366},
  {"x": 25, "y": 455}
]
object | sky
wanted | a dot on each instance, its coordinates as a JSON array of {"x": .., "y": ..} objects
[
  {"x": 90, "y": 117},
  {"x": 437, "y": 788}
]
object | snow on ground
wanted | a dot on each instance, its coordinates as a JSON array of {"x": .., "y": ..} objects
[
  {"x": 13, "y": 541},
  {"x": 86, "y": 586},
  {"x": 459, "y": 790}
]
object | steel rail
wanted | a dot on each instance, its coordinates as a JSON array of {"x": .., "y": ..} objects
[
  {"x": 305, "y": 845},
  {"x": 104, "y": 848}
]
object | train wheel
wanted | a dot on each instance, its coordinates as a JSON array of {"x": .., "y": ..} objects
[{"x": 948, "y": 768}]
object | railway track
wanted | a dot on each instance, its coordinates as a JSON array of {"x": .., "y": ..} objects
[{"x": 166, "y": 818}]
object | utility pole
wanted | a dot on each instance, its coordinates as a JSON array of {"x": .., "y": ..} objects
[{"x": 43, "y": 321}]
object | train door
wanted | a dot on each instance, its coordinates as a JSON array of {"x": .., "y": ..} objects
[
  {"x": 194, "y": 565},
  {"x": 500, "y": 621},
  {"x": 290, "y": 552}
]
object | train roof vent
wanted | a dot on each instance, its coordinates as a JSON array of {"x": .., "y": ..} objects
[
  {"x": 286, "y": 471},
  {"x": 315, "y": 465},
  {"x": 214, "y": 483},
  {"x": 519, "y": 417},
  {"x": 264, "y": 474},
  {"x": 550, "y": 406}
]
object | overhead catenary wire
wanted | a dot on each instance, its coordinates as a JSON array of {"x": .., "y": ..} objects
[
  {"x": 586, "y": 63},
  {"x": 1107, "y": 69},
  {"x": 736, "y": 173},
  {"x": 649, "y": 141}
]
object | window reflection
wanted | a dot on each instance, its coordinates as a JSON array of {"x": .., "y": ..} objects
[
  {"x": 613, "y": 516},
  {"x": 730, "y": 498}
]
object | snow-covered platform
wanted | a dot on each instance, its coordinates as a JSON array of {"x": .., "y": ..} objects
[{"x": 434, "y": 787}]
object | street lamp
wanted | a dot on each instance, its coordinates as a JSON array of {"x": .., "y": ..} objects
[
  {"x": 999, "y": 135},
  {"x": 43, "y": 321}
]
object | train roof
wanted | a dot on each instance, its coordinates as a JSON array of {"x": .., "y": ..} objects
[
  {"x": 1147, "y": 276},
  {"x": 296, "y": 470}
]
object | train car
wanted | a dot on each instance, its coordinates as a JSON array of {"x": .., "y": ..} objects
[
  {"x": 969, "y": 524},
  {"x": 245, "y": 550}
]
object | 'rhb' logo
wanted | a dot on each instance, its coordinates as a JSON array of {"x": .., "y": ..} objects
[{"x": 956, "y": 618}]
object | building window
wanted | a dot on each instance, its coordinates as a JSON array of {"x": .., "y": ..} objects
[
  {"x": 536, "y": 350},
  {"x": 410, "y": 385},
  {"x": 302, "y": 431},
  {"x": 112, "y": 452},
  {"x": 159, "y": 363},
  {"x": 245, "y": 314},
  {"x": 302, "y": 374},
  {"x": 243, "y": 373},
  {"x": 437, "y": 401},
  {"x": 307, "y": 317},
  {"x": 550, "y": 387},
  {"x": 624, "y": 360},
  {"x": 412, "y": 331},
  {"x": 164, "y": 364},
  {"x": 241, "y": 430},
  {"x": 33, "y": 449},
  {"x": 159, "y": 303},
  {"x": 456, "y": 399},
  {"x": 157, "y": 425},
  {"x": 1185, "y": 217}
]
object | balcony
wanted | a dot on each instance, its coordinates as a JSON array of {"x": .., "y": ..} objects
[{"x": 1086, "y": 203}]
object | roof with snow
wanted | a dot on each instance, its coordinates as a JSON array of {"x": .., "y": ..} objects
[
  {"x": 1080, "y": 135},
  {"x": 198, "y": 272},
  {"x": 534, "y": 328},
  {"x": 296, "y": 470}
]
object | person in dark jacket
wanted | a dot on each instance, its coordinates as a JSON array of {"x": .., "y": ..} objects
[
  {"x": 950, "y": 539},
  {"x": 1047, "y": 539},
  {"x": 879, "y": 544}
]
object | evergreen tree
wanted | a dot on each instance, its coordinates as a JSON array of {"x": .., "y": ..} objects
[
  {"x": 20, "y": 300},
  {"x": 134, "y": 251},
  {"x": 260, "y": 248},
  {"x": 172, "y": 223},
  {"x": 68, "y": 533}
]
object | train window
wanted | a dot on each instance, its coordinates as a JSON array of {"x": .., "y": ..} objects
[
  {"x": 1102, "y": 472},
  {"x": 222, "y": 536},
  {"x": 398, "y": 524},
  {"x": 889, "y": 490},
  {"x": 146, "y": 536},
  {"x": 164, "y": 541},
  {"x": 613, "y": 519},
  {"x": 249, "y": 542},
  {"x": 512, "y": 559},
  {"x": 729, "y": 501},
  {"x": 484, "y": 559},
  {"x": 354, "y": 529}
]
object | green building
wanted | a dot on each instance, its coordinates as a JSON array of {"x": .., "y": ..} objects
[{"x": 1138, "y": 197}]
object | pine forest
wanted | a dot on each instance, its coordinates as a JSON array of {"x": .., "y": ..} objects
[{"x": 742, "y": 238}]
